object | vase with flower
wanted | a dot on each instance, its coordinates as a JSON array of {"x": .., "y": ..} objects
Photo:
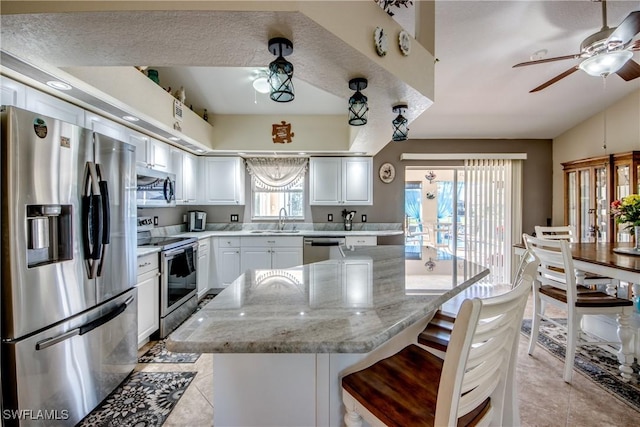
[{"x": 627, "y": 211}]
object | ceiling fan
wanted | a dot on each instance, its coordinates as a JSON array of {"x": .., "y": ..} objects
[{"x": 608, "y": 51}]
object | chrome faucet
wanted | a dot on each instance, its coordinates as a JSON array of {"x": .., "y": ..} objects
[{"x": 282, "y": 218}]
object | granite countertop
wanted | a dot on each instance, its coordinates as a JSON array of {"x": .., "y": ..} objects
[
  {"x": 347, "y": 305},
  {"x": 302, "y": 233},
  {"x": 142, "y": 251}
]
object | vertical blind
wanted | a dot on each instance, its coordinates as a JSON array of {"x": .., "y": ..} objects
[{"x": 493, "y": 194}]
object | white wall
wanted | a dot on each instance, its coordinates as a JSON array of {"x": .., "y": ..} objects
[{"x": 586, "y": 140}]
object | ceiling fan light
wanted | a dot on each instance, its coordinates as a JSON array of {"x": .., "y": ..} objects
[{"x": 605, "y": 63}]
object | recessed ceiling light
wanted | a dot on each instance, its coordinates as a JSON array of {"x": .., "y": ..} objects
[
  {"x": 174, "y": 138},
  {"x": 59, "y": 85},
  {"x": 131, "y": 118}
]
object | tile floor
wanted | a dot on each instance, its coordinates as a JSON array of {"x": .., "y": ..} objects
[{"x": 545, "y": 399}]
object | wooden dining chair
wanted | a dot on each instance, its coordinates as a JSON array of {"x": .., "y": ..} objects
[
  {"x": 415, "y": 388},
  {"x": 568, "y": 233},
  {"x": 556, "y": 284}
]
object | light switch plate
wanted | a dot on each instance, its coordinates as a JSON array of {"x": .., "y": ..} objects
[
  {"x": 330, "y": 217},
  {"x": 364, "y": 218},
  {"x": 234, "y": 217},
  {"x": 155, "y": 221}
]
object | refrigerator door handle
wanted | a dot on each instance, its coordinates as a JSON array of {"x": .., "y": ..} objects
[
  {"x": 92, "y": 220},
  {"x": 117, "y": 311},
  {"x": 106, "y": 218},
  {"x": 46, "y": 343}
]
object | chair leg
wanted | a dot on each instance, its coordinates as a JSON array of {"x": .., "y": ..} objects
[
  {"x": 625, "y": 354},
  {"x": 535, "y": 323},
  {"x": 352, "y": 419},
  {"x": 572, "y": 338}
]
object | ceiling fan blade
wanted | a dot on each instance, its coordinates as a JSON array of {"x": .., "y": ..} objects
[
  {"x": 627, "y": 29},
  {"x": 542, "y": 61},
  {"x": 630, "y": 70},
  {"x": 635, "y": 45},
  {"x": 555, "y": 79}
]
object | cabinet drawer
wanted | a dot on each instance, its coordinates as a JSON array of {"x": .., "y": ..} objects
[
  {"x": 229, "y": 242},
  {"x": 270, "y": 242},
  {"x": 147, "y": 263},
  {"x": 203, "y": 246},
  {"x": 361, "y": 241}
]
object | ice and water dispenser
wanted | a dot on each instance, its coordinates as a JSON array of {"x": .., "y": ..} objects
[{"x": 49, "y": 237}]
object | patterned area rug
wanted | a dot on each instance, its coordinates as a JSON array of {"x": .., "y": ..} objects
[
  {"x": 595, "y": 363},
  {"x": 143, "y": 399},
  {"x": 158, "y": 353}
]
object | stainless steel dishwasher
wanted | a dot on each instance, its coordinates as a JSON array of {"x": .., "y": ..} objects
[{"x": 321, "y": 248}]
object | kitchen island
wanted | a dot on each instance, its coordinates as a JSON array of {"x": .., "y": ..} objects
[{"x": 282, "y": 339}]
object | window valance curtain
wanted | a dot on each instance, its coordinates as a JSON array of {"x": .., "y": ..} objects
[{"x": 276, "y": 173}]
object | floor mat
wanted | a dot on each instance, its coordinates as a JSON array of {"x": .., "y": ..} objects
[
  {"x": 595, "y": 363},
  {"x": 143, "y": 399}
]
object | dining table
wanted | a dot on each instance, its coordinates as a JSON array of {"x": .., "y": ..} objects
[{"x": 620, "y": 262}]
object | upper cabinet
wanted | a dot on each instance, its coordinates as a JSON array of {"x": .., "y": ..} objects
[
  {"x": 105, "y": 126},
  {"x": 185, "y": 166},
  {"x": 150, "y": 153},
  {"x": 590, "y": 185},
  {"x": 45, "y": 104},
  {"x": 223, "y": 180},
  {"x": 12, "y": 93},
  {"x": 341, "y": 181}
]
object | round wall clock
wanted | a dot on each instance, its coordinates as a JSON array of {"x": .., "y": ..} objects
[
  {"x": 387, "y": 173},
  {"x": 380, "y": 40}
]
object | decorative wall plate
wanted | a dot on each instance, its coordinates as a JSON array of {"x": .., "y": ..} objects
[
  {"x": 387, "y": 173},
  {"x": 404, "y": 41},
  {"x": 380, "y": 41}
]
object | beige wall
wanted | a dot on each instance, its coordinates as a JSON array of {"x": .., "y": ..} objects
[{"x": 586, "y": 140}]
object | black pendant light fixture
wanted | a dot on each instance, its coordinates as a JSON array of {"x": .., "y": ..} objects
[
  {"x": 400, "y": 129},
  {"x": 358, "y": 107},
  {"x": 281, "y": 70}
]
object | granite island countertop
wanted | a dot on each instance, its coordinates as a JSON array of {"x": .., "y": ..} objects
[
  {"x": 347, "y": 305},
  {"x": 303, "y": 233}
]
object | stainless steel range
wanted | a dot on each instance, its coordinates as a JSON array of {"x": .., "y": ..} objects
[{"x": 178, "y": 286}]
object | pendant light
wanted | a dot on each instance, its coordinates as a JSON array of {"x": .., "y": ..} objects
[
  {"x": 358, "y": 107},
  {"x": 400, "y": 129},
  {"x": 281, "y": 70}
]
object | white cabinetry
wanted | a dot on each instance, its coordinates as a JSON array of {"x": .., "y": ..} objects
[
  {"x": 270, "y": 252},
  {"x": 223, "y": 180},
  {"x": 202, "y": 270},
  {"x": 148, "y": 284},
  {"x": 12, "y": 93},
  {"x": 227, "y": 260},
  {"x": 360, "y": 241},
  {"x": 45, "y": 104},
  {"x": 105, "y": 126},
  {"x": 150, "y": 152},
  {"x": 341, "y": 181},
  {"x": 185, "y": 166}
]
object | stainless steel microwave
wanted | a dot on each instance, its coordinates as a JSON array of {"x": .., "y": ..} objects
[{"x": 155, "y": 188}]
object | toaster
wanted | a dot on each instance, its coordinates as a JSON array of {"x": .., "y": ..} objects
[{"x": 197, "y": 220}]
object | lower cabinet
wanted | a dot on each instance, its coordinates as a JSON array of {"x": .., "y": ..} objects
[
  {"x": 148, "y": 285},
  {"x": 203, "y": 271},
  {"x": 227, "y": 260},
  {"x": 270, "y": 252}
]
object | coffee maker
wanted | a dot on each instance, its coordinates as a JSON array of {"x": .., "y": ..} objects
[{"x": 197, "y": 220}]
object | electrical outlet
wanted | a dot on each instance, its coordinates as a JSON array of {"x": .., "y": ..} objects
[
  {"x": 234, "y": 217},
  {"x": 364, "y": 218},
  {"x": 184, "y": 218},
  {"x": 330, "y": 217},
  {"x": 155, "y": 221}
]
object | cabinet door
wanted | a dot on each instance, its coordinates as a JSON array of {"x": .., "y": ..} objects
[
  {"x": 325, "y": 181},
  {"x": 190, "y": 177},
  {"x": 286, "y": 257},
  {"x": 202, "y": 271},
  {"x": 45, "y": 104},
  {"x": 255, "y": 258},
  {"x": 177, "y": 167},
  {"x": 357, "y": 181},
  {"x": 12, "y": 93},
  {"x": 141, "y": 142},
  {"x": 223, "y": 180},
  {"x": 228, "y": 265},
  {"x": 105, "y": 126},
  {"x": 159, "y": 155},
  {"x": 148, "y": 304}
]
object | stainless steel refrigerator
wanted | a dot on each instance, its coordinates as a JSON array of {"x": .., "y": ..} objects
[{"x": 69, "y": 309}]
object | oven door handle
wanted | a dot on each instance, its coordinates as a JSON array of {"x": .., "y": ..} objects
[{"x": 180, "y": 250}]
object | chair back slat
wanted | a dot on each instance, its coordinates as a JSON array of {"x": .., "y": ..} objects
[
  {"x": 564, "y": 232},
  {"x": 556, "y": 264}
]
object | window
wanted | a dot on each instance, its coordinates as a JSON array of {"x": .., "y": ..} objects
[{"x": 267, "y": 203}]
